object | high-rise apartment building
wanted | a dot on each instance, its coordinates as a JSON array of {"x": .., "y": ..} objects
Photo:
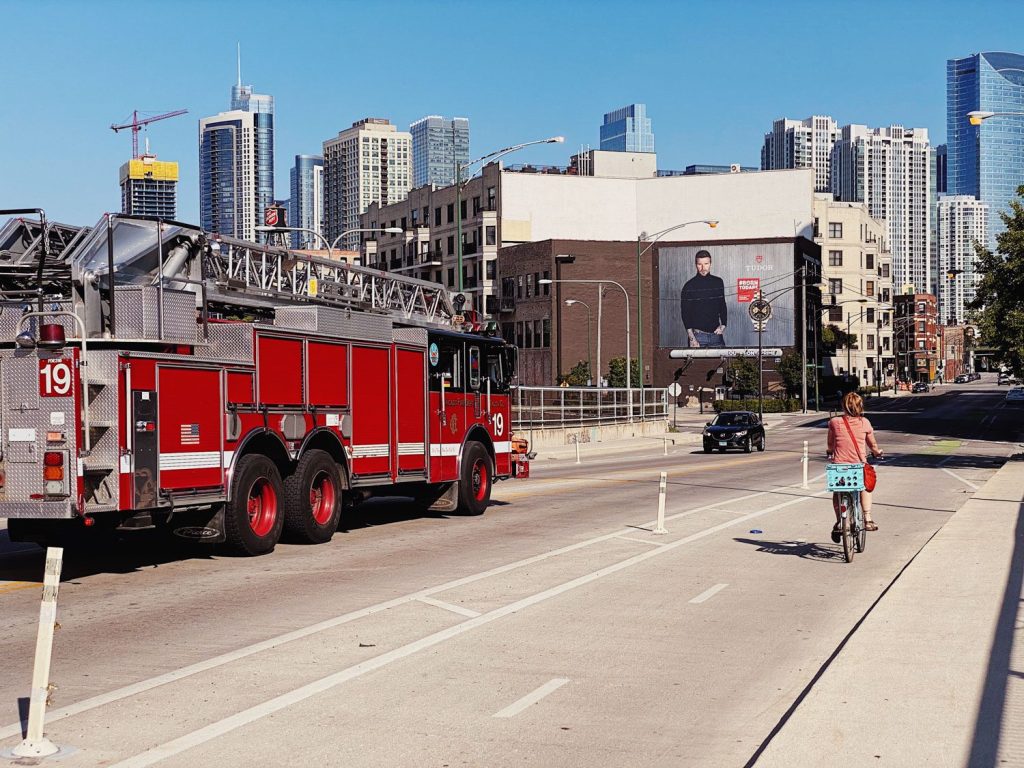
[
  {"x": 371, "y": 162},
  {"x": 438, "y": 144},
  {"x": 986, "y": 161},
  {"x": 236, "y": 165},
  {"x": 307, "y": 200},
  {"x": 889, "y": 169},
  {"x": 962, "y": 224},
  {"x": 801, "y": 144},
  {"x": 941, "y": 169},
  {"x": 149, "y": 187},
  {"x": 627, "y": 130}
]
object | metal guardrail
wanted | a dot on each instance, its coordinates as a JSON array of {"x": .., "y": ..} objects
[{"x": 539, "y": 407}]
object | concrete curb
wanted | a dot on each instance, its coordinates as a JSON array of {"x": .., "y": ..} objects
[{"x": 914, "y": 684}]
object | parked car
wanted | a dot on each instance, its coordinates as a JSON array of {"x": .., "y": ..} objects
[
  {"x": 1015, "y": 396},
  {"x": 975, "y": 376},
  {"x": 963, "y": 378},
  {"x": 919, "y": 386},
  {"x": 734, "y": 429}
]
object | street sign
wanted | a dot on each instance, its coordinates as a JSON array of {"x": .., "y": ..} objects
[
  {"x": 674, "y": 389},
  {"x": 759, "y": 310}
]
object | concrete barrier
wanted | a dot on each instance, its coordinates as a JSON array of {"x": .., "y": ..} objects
[{"x": 556, "y": 437}]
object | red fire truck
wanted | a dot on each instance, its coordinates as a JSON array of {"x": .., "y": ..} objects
[{"x": 153, "y": 375}]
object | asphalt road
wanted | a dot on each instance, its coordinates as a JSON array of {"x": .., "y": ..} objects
[{"x": 556, "y": 630}]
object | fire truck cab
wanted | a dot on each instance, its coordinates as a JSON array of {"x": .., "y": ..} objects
[{"x": 235, "y": 392}]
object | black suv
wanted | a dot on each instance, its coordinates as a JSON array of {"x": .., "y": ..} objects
[{"x": 734, "y": 429}]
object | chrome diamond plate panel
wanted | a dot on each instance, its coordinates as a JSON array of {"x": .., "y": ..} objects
[
  {"x": 231, "y": 341},
  {"x": 339, "y": 323},
  {"x": 416, "y": 336}
]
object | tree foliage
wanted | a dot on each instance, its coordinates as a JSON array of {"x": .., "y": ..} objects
[
  {"x": 998, "y": 305},
  {"x": 617, "y": 372},
  {"x": 791, "y": 369},
  {"x": 743, "y": 372},
  {"x": 579, "y": 374},
  {"x": 833, "y": 337}
]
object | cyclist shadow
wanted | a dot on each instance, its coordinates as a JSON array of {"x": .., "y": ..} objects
[{"x": 805, "y": 549}]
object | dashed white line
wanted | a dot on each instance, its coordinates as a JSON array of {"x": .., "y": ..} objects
[
  {"x": 643, "y": 541},
  {"x": 532, "y": 698},
  {"x": 707, "y": 594},
  {"x": 278, "y": 703},
  {"x": 450, "y": 607}
]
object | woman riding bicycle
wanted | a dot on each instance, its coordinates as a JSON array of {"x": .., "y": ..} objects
[{"x": 843, "y": 450}]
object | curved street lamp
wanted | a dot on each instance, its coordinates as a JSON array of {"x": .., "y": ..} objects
[
  {"x": 460, "y": 168},
  {"x": 978, "y": 116},
  {"x": 330, "y": 246},
  {"x": 590, "y": 362},
  {"x": 712, "y": 223}
]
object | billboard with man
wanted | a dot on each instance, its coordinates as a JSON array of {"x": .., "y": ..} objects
[{"x": 704, "y": 293}]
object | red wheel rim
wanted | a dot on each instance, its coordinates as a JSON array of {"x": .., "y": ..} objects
[
  {"x": 322, "y": 497},
  {"x": 481, "y": 479},
  {"x": 262, "y": 507}
]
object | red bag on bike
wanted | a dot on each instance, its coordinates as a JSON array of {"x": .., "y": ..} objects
[{"x": 870, "y": 476}]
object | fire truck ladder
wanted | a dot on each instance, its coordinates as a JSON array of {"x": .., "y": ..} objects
[
  {"x": 247, "y": 270},
  {"x": 21, "y": 244}
]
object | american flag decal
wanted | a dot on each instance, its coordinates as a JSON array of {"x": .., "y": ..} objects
[{"x": 190, "y": 434}]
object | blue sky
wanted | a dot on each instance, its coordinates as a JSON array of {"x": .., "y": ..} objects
[{"x": 713, "y": 75}]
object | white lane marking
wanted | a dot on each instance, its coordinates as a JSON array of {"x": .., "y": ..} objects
[
  {"x": 278, "y": 703},
  {"x": 450, "y": 607},
  {"x": 707, "y": 594},
  {"x": 966, "y": 482},
  {"x": 642, "y": 541},
  {"x": 15, "y": 729},
  {"x": 532, "y": 698}
]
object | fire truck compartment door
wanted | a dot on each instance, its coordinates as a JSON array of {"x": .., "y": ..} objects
[
  {"x": 371, "y": 410},
  {"x": 147, "y": 453},
  {"x": 410, "y": 397}
]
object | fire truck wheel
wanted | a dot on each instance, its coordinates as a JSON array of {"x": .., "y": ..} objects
[
  {"x": 475, "y": 480},
  {"x": 253, "y": 519},
  {"x": 312, "y": 499}
]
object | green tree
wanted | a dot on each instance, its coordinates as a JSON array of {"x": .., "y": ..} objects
[
  {"x": 617, "y": 372},
  {"x": 579, "y": 375},
  {"x": 998, "y": 304},
  {"x": 791, "y": 369},
  {"x": 833, "y": 337},
  {"x": 743, "y": 373}
]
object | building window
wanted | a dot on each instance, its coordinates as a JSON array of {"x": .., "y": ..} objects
[
  {"x": 885, "y": 342},
  {"x": 476, "y": 205},
  {"x": 492, "y": 235},
  {"x": 835, "y": 314},
  {"x": 547, "y": 286},
  {"x": 869, "y": 261},
  {"x": 546, "y": 330},
  {"x": 491, "y": 194},
  {"x": 885, "y": 270},
  {"x": 835, "y": 258},
  {"x": 817, "y": 230},
  {"x": 490, "y": 269},
  {"x": 451, "y": 244},
  {"x": 869, "y": 288},
  {"x": 462, "y": 209},
  {"x": 869, "y": 315},
  {"x": 920, "y": 326},
  {"x": 835, "y": 229},
  {"x": 451, "y": 212},
  {"x": 871, "y": 341},
  {"x": 437, "y": 217},
  {"x": 537, "y": 332},
  {"x": 835, "y": 285},
  {"x": 519, "y": 287}
]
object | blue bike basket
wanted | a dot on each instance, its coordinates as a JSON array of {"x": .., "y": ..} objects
[{"x": 844, "y": 477}]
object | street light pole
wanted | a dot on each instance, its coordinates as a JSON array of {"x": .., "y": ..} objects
[
  {"x": 462, "y": 167},
  {"x": 385, "y": 230},
  {"x": 590, "y": 362}
]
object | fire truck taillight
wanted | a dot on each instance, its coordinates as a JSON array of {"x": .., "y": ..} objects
[
  {"x": 53, "y": 471},
  {"x": 3, "y": 478}
]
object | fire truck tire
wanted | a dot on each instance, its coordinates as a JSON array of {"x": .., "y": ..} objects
[
  {"x": 475, "y": 480},
  {"x": 313, "y": 499},
  {"x": 254, "y": 516}
]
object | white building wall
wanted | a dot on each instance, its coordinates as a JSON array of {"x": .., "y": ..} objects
[{"x": 747, "y": 205}]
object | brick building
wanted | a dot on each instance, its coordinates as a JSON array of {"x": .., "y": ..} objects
[{"x": 917, "y": 335}]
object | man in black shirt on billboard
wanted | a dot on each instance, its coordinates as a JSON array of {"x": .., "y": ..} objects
[{"x": 702, "y": 304}]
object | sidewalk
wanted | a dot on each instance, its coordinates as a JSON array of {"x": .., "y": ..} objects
[{"x": 933, "y": 676}]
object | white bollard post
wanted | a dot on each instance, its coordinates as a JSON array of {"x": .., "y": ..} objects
[
  {"x": 804, "y": 461},
  {"x": 664, "y": 441},
  {"x": 36, "y": 744},
  {"x": 661, "y": 504},
  {"x": 577, "y": 442}
]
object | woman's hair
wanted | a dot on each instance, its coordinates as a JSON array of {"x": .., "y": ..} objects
[{"x": 852, "y": 404}]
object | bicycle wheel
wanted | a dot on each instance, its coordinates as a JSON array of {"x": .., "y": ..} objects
[
  {"x": 861, "y": 536},
  {"x": 846, "y": 510}
]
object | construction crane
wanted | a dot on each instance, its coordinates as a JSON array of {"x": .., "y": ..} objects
[{"x": 136, "y": 125}]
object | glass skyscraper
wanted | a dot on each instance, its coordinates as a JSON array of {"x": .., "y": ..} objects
[
  {"x": 627, "y": 130},
  {"x": 307, "y": 200},
  {"x": 437, "y": 145},
  {"x": 986, "y": 161}
]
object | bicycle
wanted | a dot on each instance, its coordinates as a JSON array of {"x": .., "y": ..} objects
[{"x": 848, "y": 481}]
